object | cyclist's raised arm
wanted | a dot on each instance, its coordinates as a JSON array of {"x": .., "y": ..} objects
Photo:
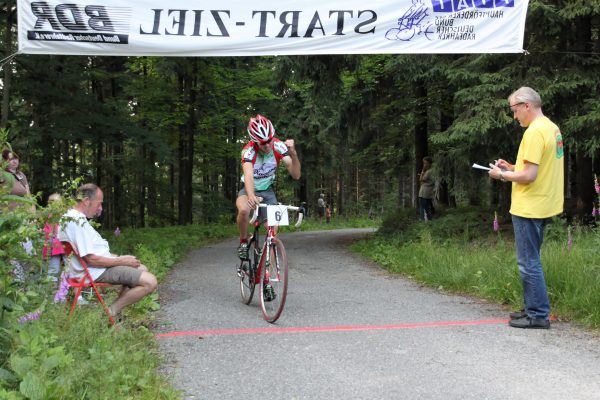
[{"x": 292, "y": 162}]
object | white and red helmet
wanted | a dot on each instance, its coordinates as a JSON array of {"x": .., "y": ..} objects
[{"x": 260, "y": 129}]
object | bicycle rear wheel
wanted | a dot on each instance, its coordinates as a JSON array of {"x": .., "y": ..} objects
[
  {"x": 273, "y": 289},
  {"x": 247, "y": 284},
  {"x": 247, "y": 271}
]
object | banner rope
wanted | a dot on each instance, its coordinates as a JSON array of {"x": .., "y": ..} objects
[{"x": 8, "y": 59}]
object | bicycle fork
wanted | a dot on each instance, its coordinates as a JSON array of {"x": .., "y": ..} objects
[{"x": 268, "y": 261}]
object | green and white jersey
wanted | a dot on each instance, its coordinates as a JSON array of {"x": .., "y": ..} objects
[{"x": 265, "y": 164}]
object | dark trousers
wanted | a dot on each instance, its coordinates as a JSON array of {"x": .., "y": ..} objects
[{"x": 425, "y": 209}]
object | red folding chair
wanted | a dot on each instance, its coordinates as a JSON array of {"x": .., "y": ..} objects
[{"x": 77, "y": 284}]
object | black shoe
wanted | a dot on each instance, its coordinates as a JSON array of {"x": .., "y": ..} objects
[
  {"x": 243, "y": 251},
  {"x": 518, "y": 314},
  {"x": 530, "y": 323},
  {"x": 269, "y": 293}
]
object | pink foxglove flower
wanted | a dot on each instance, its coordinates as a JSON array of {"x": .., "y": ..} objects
[
  {"x": 63, "y": 289},
  {"x": 596, "y": 185},
  {"x": 495, "y": 224},
  {"x": 594, "y": 212},
  {"x": 117, "y": 232},
  {"x": 32, "y": 316},
  {"x": 569, "y": 239}
]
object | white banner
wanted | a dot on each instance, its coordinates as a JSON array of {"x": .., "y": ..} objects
[{"x": 269, "y": 27}]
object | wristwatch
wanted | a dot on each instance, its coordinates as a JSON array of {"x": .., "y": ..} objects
[{"x": 502, "y": 176}]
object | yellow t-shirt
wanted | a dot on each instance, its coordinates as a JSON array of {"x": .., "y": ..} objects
[{"x": 542, "y": 144}]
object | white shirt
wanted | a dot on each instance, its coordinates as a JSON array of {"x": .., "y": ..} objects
[{"x": 76, "y": 229}]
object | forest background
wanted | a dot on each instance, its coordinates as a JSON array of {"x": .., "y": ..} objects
[{"x": 162, "y": 136}]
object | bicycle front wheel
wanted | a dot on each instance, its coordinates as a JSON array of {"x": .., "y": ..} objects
[{"x": 273, "y": 288}]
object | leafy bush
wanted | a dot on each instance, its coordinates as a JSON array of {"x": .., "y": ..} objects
[
  {"x": 85, "y": 359},
  {"x": 403, "y": 225}
]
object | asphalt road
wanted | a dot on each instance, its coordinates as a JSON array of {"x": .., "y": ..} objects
[{"x": 352, "y": 331}]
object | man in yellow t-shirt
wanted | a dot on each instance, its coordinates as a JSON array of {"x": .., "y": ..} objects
[{"x": 537, "y": 194}]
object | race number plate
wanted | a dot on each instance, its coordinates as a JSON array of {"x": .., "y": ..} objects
[{"x": 277, "y": 216}]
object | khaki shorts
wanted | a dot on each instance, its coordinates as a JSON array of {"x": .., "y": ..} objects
[{"x": 121, "y": 275}]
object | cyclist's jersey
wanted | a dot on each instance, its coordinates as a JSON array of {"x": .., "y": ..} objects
[{"x": 265, "y": 164}]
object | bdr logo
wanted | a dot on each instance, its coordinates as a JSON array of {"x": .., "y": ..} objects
[
  {"x": 460, "y": 5},
  {"x": 73, "y": 17}
]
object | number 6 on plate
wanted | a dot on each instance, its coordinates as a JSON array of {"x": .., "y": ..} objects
[{"x": 277, "y": 216}]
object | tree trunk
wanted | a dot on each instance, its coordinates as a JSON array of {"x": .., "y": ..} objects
[
  {"x": 584, "y": 184},
  {"x": 584, "y": 179},
  {"x": 186, "y": 147},
  {"x": 421, "y": 135},
  {"x": 231, "y": 169},
  {"x": 7, "y": 67}
]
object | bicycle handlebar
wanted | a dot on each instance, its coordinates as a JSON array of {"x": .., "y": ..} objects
[{"x": 290, "y": 208}]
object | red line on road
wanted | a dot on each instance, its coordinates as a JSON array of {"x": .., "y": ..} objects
[{"x": 332, "y": 328}]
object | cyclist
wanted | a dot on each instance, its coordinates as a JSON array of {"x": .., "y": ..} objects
[{"x": 260, "y": 158}]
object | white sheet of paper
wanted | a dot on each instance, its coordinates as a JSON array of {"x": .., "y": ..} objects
[
  {"x": 475, "y": 165},
  {"x": 277, "y": 216}
]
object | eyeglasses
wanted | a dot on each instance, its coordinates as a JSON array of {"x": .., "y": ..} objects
[
  {"x": 266, "y": 143},
  {"x": 516, "y": 104}
]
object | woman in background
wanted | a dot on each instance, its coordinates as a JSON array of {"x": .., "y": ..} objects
[
  {"x": 426, "y": 190},
  {"x": 20, "y": 185}
]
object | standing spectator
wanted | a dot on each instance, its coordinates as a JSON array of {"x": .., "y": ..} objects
[
  {"x": 537, "y": 194},
  {"x": 321, "y": 206},
  {"x": 328, "y": 213},
  {"x": 426, "y": 190},
  {"x": 19, "y": 186},
  {"x": 53, "y": 250}
]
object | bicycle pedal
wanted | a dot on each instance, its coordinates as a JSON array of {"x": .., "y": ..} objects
[{"x": 241, "y": 269}]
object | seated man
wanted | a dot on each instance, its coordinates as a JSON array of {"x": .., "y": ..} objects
[{"x": 103, "y": 266}]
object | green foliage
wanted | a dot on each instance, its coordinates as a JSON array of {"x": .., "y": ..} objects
[
  {"x": 466, "y": 224},
  {"x": 167, "y": 245},
  {"x": 85, "y": 359},
  {"x": 487, "y": 271},
  {"x": 313, "y": 224}
]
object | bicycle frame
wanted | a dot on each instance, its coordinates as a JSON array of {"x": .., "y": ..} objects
[
  {"x": 271, "y": 234},
  {"x": 261, "y": 259}
]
